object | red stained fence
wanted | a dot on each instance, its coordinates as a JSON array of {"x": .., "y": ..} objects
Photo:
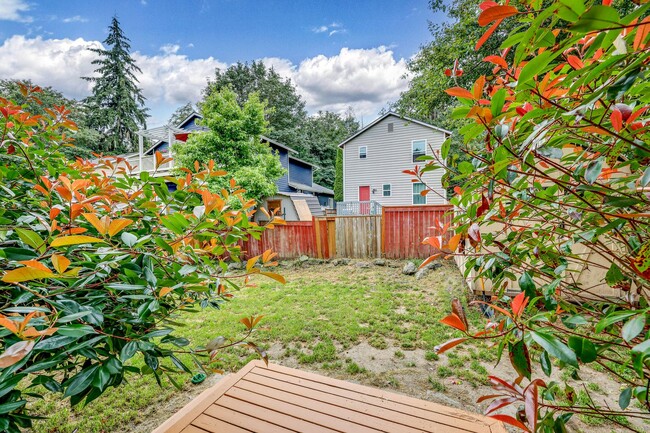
[
  {"x": 396, "y": 234},
  {"x": 290, "y": 241},
  {"x": 404, "y": 228}
]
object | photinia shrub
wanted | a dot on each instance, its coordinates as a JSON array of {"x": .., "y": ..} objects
[
  {"x": 554, "y": 203},
  {"x": 96, "y": 262}
]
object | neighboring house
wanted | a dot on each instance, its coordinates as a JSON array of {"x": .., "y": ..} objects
[
  {"x": 298, "y": 197},
  {"x": 374, "y": 160}
]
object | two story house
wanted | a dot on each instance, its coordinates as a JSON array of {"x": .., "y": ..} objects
[
  {"x": 374, "y": 160},
  {"x": 298, "y": 197}
]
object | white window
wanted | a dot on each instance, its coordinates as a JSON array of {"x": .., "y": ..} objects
[
  {"x": 418, "y": 148},
  {"x": 386, "y": 190},
  {"x": 363, "y": 152},
  {"x": 417, "y": 197}
]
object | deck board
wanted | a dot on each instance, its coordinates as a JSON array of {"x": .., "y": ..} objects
[{"x": 278, "y": 399}]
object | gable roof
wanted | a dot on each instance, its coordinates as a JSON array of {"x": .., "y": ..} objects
[
  {"x": 391, "y": 113},
  {"x": 276, "y": 143}
]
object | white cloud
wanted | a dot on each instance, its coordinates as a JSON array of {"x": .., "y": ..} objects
[
  {"x": 75, "y": 19},
  {"x": 12, "y": 10},
  {"x": 331, "y": 29},
  {"x": 169, "y": 78},
  {"x": 365, "y": 79},
  {"x": 170, "y": 48}
]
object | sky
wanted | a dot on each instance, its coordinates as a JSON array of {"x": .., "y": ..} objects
[{"x": 338, "y": 54}]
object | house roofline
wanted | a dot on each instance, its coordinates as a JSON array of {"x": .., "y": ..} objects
[
  {"x": 379, "y": 119},
  {"x": 277, "y": 143},
  {"x": 303, "y": 161}
]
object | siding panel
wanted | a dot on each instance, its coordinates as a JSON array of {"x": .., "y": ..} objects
[{"x": 389, "y": 154}]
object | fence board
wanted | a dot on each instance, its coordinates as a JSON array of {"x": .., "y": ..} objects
[
  {"x": 358, "y": 237},
  {"x": 404, "y": 227}
]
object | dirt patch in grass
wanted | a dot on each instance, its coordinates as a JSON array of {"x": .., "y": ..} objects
[{"x": 373, "y": 326}]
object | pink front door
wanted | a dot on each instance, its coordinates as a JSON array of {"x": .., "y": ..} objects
[{"x": 364, "y": 198}]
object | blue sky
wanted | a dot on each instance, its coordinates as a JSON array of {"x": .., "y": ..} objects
[{"x": 338, "y": 53}]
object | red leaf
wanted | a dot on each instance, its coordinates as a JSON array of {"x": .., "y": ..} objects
[
  {"x": 487, "y": 5},
  {"x": 448, "y": 72},
  {"x": 617, "y": 119},
  {"x": 449, "y": 344},
  {"x": 636, "y": 114},
  {"x": 487, "y": 35},
  {"x": 497, "y": 60},
  {"x": 510, "y": 420},
  {"x": 496, "y": 13},
  {"x": 499, "y": 309},
  {"x": 485, "y": 205},
  {"x": 459, "y": 92},
  {"x": 454, "y": 321},
  {"x": 499, "y": 403},
  {"x": 519, "y": 304},
  {"x": 487, "y": 397},
  {"x": 575, "y": 62}
]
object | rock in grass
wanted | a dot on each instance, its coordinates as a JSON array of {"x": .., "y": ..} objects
[
  {"x": 409, "y": 269},
  {"x": 303, "y": 258},
  {"x": 379, "y": 262},
  {"x": 362, "y": 265}
]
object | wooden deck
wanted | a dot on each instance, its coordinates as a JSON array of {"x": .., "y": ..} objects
[{"x": 280, "y": 399}]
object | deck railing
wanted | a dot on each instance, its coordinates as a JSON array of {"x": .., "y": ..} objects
[
  {"x": 348, "y": 208},
  {"x": 148, "y": 163}
]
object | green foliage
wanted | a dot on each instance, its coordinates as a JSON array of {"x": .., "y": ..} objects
[
  {"x": 285, "y": 107},
  {"x": 181, "y": 113},
  {"x": 321, "y": 135},
  {"x": 116, "y": 107},
  {"x": 554, "y": 198},
  {"x": 233, "y": 142},
  {"x": 338, "y": 180},
  {"x": 22, "y": 93},
  {"x": 97, "y": 263}
]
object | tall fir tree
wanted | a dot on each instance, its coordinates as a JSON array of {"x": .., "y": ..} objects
[{"x": 116, "y": 107}]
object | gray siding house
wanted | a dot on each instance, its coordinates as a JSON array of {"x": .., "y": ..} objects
[{"x": 375, "y": 157}]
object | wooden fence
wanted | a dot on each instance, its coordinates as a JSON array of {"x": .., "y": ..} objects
[
  {"x": 404, "y": 227},
  {"x": 396, "y": 234},
  {"x": 289, "y": 241}
]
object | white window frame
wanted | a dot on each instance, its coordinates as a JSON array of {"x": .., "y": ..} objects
[
  {"x": 365, "y": 153},
  {"x": 390, "y": 190},
  {"x": 413, "y": 159},
  {"x": 413, "y": 193}
]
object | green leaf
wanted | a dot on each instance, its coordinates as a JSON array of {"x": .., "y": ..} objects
[
  {"x": 527, "y": 285},
  {"x": 129, "y": 239},
  {"x": 555, "y": 347},
  {"x": 534, "y": 67},
  {"x": 80, "y": 382},
  {"x": 585, "y": 350},
  {"x": 614, "y": 275},
  {"x": 520, "y": 358},
  {"x": 633, "y": 327},
  {"x": 498, "y": 99},
  {"x": 164, "y": 245},
  {"x": 18, "y": 254},
  {"x": 128, "y": 350},
  {"x": 594, "y": 169},
  {"x": 597, "y": 18},
  {"x": 612, "y": 318},
  {"x": 32, "y": 239},
  {"x": 10, "y": 407},
  {"x": 624, "y": 398}
]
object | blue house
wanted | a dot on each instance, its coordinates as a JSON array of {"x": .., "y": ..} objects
[{"x": 298, "y": 197}]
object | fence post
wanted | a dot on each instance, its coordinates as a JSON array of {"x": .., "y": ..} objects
[
  {"x": 383, "y": 231},
  {"x": 316, "y": 226}
]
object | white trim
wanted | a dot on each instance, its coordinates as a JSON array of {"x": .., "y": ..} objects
[
  {"x": 342, "y": 198},
  {"x": 413, "y": 194},
  {"x": 426, "y": 143},
  {"x": 364, "y": 153},
  {"x": 390, "y": 189},
  {"x": 390, "y": 113},
  {"x": 359, "y": 192}
]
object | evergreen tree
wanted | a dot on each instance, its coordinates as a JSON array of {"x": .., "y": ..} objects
[
  {"x": 338, "y": 181},
  {"x": 116, "y": 106}
]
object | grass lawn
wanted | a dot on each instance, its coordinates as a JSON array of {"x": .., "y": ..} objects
[{"x": 370, "y": 325}]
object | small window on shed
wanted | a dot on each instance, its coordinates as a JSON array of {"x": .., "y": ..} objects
[
  {"x": 275, "y": 207},
  {"x": 390, "y": 127},
  {"x": 363, "y": 152}
]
